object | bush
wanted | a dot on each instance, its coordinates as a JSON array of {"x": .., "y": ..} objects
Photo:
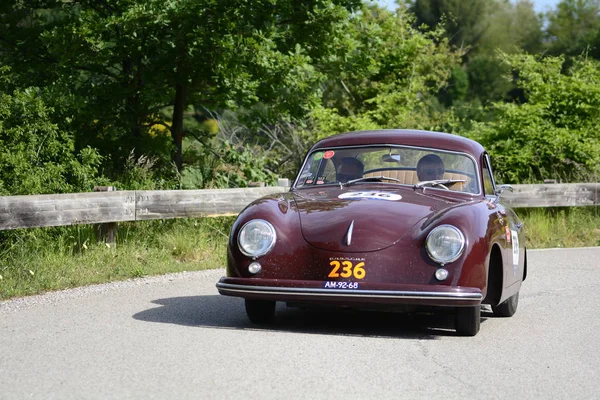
[
  {"x": 217, "y": 164},
  {"x": 37, "y": 157},
  {"x": 555, "y": 134}
]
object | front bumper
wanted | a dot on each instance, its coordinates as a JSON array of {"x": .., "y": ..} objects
[{"x": 367, "y": 293}]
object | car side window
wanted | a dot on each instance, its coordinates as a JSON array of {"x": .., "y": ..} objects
[{"x": 488, "y": 178}]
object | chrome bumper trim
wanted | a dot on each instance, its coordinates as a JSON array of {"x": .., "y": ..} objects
[{"x": 358, "y": 293}]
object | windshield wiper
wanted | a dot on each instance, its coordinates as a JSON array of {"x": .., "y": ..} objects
[
  {"x": 373, "y": 178},
  {"x": 438, "y": 182}
]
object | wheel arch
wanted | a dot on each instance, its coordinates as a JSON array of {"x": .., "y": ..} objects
[{"x": 495, "y": 281}]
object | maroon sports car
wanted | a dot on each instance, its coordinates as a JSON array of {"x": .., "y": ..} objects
[{"x": 392, "y": 219}]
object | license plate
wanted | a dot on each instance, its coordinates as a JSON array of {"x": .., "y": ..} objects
[{"x": 341, "y": 285}]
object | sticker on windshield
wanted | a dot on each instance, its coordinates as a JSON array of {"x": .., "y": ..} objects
[
  {"x": 308, "y": 180},
  {"x": 371, "y": 195},
  {"x": 318, "y": 156},
  {"x": 328, "y": 154}
]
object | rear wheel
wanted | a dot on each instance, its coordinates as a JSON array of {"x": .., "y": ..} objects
[
  {"x": 468, "y": 320},
  {"x": 507, "y": 308},
  {"x": 260, "y": 311}
]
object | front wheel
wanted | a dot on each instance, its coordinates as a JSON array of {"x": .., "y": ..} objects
[
  {"x": 260, "y": 311},
  {"x": 468, "y": 320},
  {"x": 508, "y": 307}
]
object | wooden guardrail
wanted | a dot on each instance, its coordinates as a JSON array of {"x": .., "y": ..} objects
[
  {"x": 127, "y": 205},
  {"x": 138, "y": 205},
  {"x": 554, "y": 195}
]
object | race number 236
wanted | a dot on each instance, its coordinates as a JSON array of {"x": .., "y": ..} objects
[{"x": 346, "y": 269}]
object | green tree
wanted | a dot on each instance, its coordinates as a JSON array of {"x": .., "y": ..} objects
[
  {"x": 525, "y": 27},
  {"x": 464, "y": 21},
  {"x": 386, "y": 76},
  {"x": 574, "y": 28},
  {"x": 512, "y": 28},
  {"x": 555, "y": 133},
  {"x": 120, "y": 62},
  {"x": 482, "y": 27},
  {"x": 38, "y": 157}
]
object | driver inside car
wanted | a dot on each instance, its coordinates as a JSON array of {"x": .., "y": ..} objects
[
  {"x": 350, "y": 168},
  {"x": 430, "y": 168}
]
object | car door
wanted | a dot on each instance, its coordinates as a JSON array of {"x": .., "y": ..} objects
[{"x": 510, "y": 228}]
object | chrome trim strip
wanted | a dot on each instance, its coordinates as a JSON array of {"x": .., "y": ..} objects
[
  {"x": 349, "y": 234},
  {"x": 384, "y": 294}
]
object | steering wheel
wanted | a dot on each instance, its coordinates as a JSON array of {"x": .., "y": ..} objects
[
  {"x": 439, "y": 184},
  {"x": 433, "y": 183}
]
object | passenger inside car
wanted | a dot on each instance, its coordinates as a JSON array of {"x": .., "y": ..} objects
[
  {"x": 430, "y": 168},
  {"x": 349, "y": 168}
]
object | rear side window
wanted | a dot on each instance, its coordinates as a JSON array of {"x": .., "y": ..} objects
[{"x": 488, "y": 177}]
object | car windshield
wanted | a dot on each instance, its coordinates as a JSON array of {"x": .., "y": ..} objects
[{"x": 390, "y": 165}]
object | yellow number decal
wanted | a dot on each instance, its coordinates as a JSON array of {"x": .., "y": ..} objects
[
  {"x": 359, "y": 271},
  {"x": 334, "y": 273},
  {"x": 347, "y": 271}
]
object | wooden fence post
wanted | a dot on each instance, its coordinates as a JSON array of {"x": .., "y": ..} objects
[{"x": 106, "y": 232}]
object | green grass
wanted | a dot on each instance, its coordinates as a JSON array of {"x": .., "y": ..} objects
[
  {"x": 44, "y": 259},
  {"x": 34, "y": 261},
  {"x": 561, "y": 227}
]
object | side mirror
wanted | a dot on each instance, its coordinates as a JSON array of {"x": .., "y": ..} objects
[{"x": 501, "y": 188}]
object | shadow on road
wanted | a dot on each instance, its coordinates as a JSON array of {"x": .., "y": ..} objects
[{"x": 228, "y": 313}]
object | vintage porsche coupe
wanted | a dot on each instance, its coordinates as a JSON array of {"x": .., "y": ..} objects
[{"x": 392, "y": 219}]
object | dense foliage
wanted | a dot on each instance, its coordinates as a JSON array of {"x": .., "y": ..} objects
[
  {"x": 37, "y": 156},
  {"x": 556, "y": 132},
  {"x": 192, "y": 94}
]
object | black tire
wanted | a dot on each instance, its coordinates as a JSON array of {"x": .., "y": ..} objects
[
  {"x": 468, "y": 320},
  {"x": 260, "y": 311},
  {"x": 508, "y": 307}
]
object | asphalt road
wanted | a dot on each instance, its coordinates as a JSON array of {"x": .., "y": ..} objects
[{"x": 174, "y": 337}]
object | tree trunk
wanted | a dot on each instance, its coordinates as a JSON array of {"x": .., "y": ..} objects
[
  {"x": 132, "y": 105},
  {"x": 177, "y": 127}
]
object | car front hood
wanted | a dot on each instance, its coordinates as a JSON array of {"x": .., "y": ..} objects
[{"x": 358, "y": 220}]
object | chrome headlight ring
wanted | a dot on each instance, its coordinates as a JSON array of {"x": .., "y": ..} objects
[
  {"x": 256, "y": 238},
  {"x": 445, "y": 244}
]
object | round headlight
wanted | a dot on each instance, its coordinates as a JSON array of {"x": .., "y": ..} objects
[
  {"x": 445, "y": 244},
  {"x": 256, "y": 238}
]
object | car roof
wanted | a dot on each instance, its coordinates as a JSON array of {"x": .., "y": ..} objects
[{"x": 408, "y": 137}]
